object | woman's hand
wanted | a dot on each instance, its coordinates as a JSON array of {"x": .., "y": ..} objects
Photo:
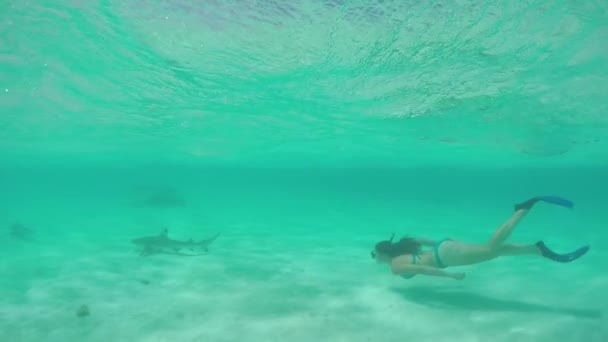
[{"x": 458, "y": 275}]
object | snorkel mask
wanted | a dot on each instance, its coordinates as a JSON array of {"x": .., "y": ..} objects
[{"x": 373, "y": 253}]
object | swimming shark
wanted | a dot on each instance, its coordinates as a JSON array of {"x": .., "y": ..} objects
[
  {"x": 19, "y": 232},
  {"x": 161, "y": 243}
]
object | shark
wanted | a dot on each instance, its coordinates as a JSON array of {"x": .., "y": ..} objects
[
  {"x": 163, "y": 244},
  {"x": 18, "y": 231}
]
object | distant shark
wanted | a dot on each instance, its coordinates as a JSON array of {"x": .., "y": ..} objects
[
  {"x": 19, "y": 232},
  {"x": 162, "y": 244}
]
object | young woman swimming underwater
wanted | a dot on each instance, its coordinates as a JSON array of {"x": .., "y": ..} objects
[{"x": 407, "y": 257}]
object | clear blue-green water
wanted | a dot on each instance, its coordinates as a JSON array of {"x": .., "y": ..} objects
[{"x": 303, "y": 132}]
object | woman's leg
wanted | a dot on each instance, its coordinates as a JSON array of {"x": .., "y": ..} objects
[
  {"x": 457, "y": 253},
  {"x": 504, "y": 231},
  {"x": 540, "y": 249},
  {"x": 462, "y": 253},
  {"x": 517, "y": 249},
  {"x": 499, "y": 248}
]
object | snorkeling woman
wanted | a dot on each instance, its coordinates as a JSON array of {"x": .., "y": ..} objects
[{"x": 407, "y": 258}]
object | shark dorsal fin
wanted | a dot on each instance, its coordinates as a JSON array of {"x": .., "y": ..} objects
[{"x": 164, "y": 233}]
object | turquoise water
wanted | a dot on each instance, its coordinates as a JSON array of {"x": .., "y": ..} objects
[{"x": 303, "y": 132}]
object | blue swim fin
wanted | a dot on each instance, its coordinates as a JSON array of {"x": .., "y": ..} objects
[
  {"x": 557, "y": 200},
  {"x": 563, "y": 258},
  {"x": 549, "y": 199}
]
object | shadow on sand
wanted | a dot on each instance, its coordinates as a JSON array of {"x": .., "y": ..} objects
[{"x": 455, "y": 299}]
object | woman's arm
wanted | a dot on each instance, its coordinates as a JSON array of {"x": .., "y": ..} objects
[{"x": 400, "y": 269}]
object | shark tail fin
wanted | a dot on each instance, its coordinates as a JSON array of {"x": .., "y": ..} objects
[{"x": 211, "y": 240}]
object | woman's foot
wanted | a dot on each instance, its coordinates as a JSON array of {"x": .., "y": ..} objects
[
  {"x": 527, "y": 205},
  {"x": 563, "y": 258}
]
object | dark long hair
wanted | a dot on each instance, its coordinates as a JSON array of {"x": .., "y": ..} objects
[{"x": 406, "y": 245}]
